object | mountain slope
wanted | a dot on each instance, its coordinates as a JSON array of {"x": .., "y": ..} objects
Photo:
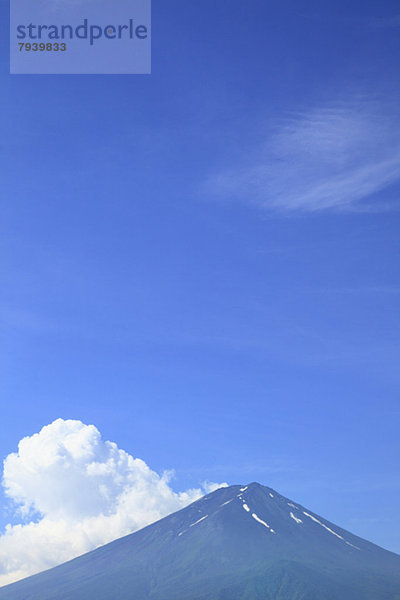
[{"x": 238, "y": 543}]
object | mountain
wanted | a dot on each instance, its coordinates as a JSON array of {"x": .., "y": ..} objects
[{"x": 237, "y": 543}]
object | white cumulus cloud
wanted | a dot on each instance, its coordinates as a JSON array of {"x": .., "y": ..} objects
[{"x": 76, "y": 492}]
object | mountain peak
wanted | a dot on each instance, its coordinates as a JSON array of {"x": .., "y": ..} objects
[{"x": 243, "y": 541}]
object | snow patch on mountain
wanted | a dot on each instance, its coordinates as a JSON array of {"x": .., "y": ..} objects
[
  {"x": 199, "y": 521},
  {"x": 226, "y": 502},
  {"x": 262, "y": 522},
  {"x": 295, "y": 518},
  {"x": 328, "y": 529}
]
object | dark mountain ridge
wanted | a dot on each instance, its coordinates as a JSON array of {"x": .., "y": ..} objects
[{"x": 237, "y": 543}]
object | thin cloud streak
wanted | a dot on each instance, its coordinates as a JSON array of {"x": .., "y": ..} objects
[
  {"x": 386, "y": 22},
  {"x": 380, "y": 290},
  {"x": 333, "y": 158}
]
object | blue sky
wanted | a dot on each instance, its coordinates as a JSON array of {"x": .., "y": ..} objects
[{"x": 204, "y": 262}]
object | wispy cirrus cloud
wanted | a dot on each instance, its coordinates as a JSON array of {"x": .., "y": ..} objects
[
  {"x": 386, "y": 22},
  {"x": 333, "y": 157}
]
